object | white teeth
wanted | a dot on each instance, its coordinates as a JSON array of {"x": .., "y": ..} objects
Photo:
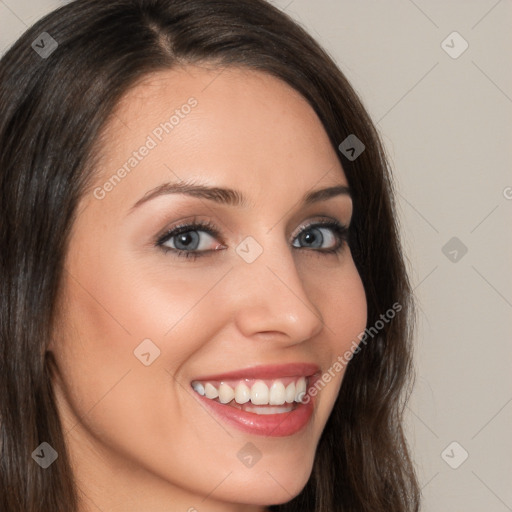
[
  {"x": 198, "y": 387},
  {"x": 226, "y": 393},
  {"x": 277, "y": 393},
  {"x": 259, "y": 393},
  {"x": 269, "y": 409},
  {"x": 290, "y": 393},
  {"x": 210, "y": 391},
  {"x": 242, "y": 394},
  {"x": 300, "y": 389}
]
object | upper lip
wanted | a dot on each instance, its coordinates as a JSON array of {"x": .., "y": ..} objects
[{"x": 266, "y": 372}]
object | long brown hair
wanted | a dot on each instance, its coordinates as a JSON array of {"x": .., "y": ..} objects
[{"x": 53, "y": 108}]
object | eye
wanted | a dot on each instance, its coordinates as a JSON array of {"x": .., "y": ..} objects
[
  {"x": 187, "y": 241},
  {"x": 327, "y": 235},
  {"x": 198, "y": 238},
  {"x": 190, "y": 240}
]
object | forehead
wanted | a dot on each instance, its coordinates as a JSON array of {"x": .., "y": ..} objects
[
  {"x": 212, "y": 86},
  {"x": 228, "y": 126}
]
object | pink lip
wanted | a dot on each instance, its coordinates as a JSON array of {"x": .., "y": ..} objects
[
  {"x": 273, "y": 425},
  {"x": 266, "y": 372}
]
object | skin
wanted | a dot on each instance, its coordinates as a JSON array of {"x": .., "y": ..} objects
[{"x": 138, "y": 436}]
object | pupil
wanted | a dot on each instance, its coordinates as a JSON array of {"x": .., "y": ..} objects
[
  {"x": 185, "y": 240},
  {"x": 310, "y": 237}
]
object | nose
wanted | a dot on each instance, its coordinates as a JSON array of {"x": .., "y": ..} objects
[{"x": 271, "y": 299}]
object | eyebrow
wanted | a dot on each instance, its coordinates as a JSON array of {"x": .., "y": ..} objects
[{"x": 231, "y": 197}]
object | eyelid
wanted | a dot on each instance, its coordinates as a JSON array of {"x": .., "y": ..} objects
[
  {"x": 323, "y": 221},
  {"x": 341, "y": 232},
  {"x": 185, "y": 226},
  {"x": 210, "y": 228}
]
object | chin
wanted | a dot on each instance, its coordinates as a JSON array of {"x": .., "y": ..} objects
[{"x": 271, "y": 484}]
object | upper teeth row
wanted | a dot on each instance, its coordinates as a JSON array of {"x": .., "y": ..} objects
[{"x": 259, "y": 393}]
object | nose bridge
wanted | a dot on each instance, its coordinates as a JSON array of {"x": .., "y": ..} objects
[{"x": 273, "y": 298}]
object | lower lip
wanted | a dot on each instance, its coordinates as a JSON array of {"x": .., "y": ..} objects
[{"x": 273, "y": 425}]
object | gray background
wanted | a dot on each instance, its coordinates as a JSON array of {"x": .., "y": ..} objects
[{"x": 446, "y": 123}]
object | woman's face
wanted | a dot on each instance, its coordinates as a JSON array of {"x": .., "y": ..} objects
[{"x": 254, "y": 295}]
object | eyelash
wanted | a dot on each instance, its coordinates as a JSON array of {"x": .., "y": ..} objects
[{"x": 340, "y": 231}]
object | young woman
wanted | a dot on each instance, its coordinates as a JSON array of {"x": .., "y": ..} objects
[{"x": 204, "y": 301}]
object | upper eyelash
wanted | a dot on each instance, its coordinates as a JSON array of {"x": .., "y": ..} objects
[
  {"x": 206, "y": 226},
  {"x": 340, "y": 229},
  {"x": 183, "y": 228}
]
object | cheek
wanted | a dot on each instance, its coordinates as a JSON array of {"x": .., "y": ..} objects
[
  {"x": 117, "y": 311},
  {"x": 342, "y": 302},
  {"x": 348, "y": 309},
  {"x": 115, "y": 302},
  {"x": 340, "y": 298},
  {"x": 105, "y": 389}
]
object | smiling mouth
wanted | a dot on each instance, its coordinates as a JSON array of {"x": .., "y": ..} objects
[
  {"x": 259, "y": 396},
  {"x": 268, "y": 400}
]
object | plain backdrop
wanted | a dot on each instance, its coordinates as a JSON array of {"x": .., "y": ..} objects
[{"x": 436, "y": 77}]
